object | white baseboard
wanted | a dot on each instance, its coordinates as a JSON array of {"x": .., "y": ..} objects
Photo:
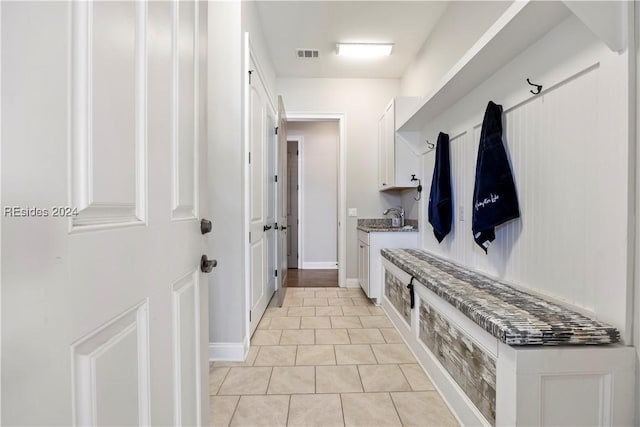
[
  {"x": 228, "y": 351},
  {"x": 325, "y": 265},
  {"x": 352, "y": 283}
]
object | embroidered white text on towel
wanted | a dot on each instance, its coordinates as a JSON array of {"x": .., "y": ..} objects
[{"x": 486, "y": 201}]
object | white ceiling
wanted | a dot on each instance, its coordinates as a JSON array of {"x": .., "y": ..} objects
[{"x": 321, "y": 24}]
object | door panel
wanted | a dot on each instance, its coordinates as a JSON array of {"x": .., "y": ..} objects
[
  {"x": 120, "y": 350},
  {"x": 108, "y": 95},
  {"x": 92, "y": 120},
  {"x": 270, "y": 183},
  {"x": 185, "y": 108},
  {"x": 185, "y": 348}
]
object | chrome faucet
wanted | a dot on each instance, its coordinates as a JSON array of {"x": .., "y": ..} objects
[{"x": 399, "y": 212}]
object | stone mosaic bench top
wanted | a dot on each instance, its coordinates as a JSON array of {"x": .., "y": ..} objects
[{"x": 511, "y": 315}]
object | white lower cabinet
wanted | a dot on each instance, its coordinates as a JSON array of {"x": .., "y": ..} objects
[{"x": 370, "y": 261}]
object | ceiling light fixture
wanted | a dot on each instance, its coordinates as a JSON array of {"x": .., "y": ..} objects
[{"x": 364, "y": 50}]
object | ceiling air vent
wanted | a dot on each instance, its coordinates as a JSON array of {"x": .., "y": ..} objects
[{"x": 307, "y": 53}]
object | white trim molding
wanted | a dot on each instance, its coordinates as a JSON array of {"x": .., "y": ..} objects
[
  {"x": 326, "y": 265},
  {"x": 229, "y": 351},
  {"x": 352, "y": 282}
]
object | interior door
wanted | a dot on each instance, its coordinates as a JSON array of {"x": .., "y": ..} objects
[
  {"x": 292, "y": 214},
  {"x": 282, "y": 200},
  {"x": 261, "y": 231},
  {"x": 104, "y": 306},
  {"x": 271, "y": 184}
]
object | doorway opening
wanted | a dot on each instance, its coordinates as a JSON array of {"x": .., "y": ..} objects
[{"x": 314, "y": 181}]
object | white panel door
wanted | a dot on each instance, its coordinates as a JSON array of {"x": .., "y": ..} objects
[
  {"x": 282, "y": 201},
  {"x": 104, "y": 309},
  {"x": 261, "y": 198}
]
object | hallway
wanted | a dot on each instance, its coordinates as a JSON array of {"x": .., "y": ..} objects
[
  {"x": 328, "y": 357},
  {"x": 299, "y": 278}
]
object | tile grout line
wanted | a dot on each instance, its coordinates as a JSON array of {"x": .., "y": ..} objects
[
  {"x": 266, "y": 392},
  {"x": 221, "y": 382},
  {"x": 288, "y": 411},
  {"x": 235, "y": 409},
  {"x": 360, "y": 378},
  {"x": 344, "y": 421},
  {"x": 406, "y": 378},
  {"x": 374, "y": 355},
  {"x": 393, "y": 402}
]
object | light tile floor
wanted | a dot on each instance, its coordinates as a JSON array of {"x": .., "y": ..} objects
[{"x": 328, "y": 357}]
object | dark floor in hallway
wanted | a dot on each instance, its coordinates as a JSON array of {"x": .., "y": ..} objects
[{"x": 297, "y": 278}]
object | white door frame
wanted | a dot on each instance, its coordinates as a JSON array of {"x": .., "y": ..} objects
[
  {"x": 249, "y": 56},
  {"x": 342, "y": 185},
  {"x": 300, "y": 140}
]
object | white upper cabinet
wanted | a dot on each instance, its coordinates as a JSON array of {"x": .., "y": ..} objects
[{"x": 396, "y": 160}]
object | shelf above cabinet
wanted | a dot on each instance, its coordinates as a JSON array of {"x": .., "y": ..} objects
[{"x": 520, "y": 26}]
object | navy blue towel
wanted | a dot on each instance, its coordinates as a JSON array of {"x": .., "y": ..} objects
[
  {"x": 440, "y": 204},
  {"x": 494, "y": 197}
]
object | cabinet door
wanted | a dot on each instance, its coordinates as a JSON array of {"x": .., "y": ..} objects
[
  {"x": 382, "y": 155},
  {"x": 360, "y": 276}
]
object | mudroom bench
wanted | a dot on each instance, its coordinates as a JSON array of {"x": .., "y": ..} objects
[{"x": 502, "y": 356}]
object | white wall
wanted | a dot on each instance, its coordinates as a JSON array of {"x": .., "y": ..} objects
[
  {"x": 569, "y": 150},
  {"x": 457, "y": 30},
  {"x": 319, "y": 178},
  {"x": 251, "y": 23},
  {"x": 228, "y": 21},
  {"x": 363, "y": 102},
  {"x": 226, "y": 290}
]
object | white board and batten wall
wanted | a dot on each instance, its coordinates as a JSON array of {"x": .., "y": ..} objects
[{"x": 569, "y": 150}]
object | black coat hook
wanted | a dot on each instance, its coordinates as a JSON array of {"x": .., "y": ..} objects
[
  {"x": 538, "y": 87},
  {"x": 430, "y": 145}
]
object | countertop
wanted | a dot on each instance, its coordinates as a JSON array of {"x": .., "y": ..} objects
[
  {"x": 511, "y": 315},
  {"x": 383, "y": 225}
]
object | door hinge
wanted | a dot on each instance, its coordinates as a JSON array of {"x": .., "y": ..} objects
[
  {"x": 297, "y": 152},
  {"x": 276, "y": 130},
  {"x": 298, "y": 221},
  {"x": 249, "y": 157},
  {"x": 276, "y": 178},
  {"x": 250, "y": 72},
  {"x": 249, "y": 237},
  {"x": 276, "y": 272},
  {"x": 249, "y": 315}
]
